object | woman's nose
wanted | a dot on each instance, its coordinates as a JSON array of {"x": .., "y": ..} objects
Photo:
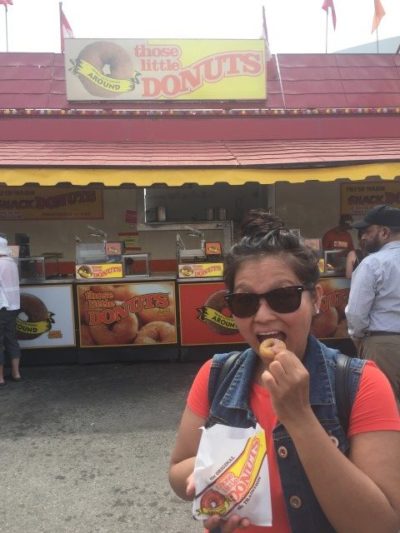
[{"x": 264, "y": 310}]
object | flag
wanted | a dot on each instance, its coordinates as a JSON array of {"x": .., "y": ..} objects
[
  {"x": 65, "y": 28},
  {"x": 6, "y": 2},
  {"x": 265, "y": 35},
  {"x": 329, "y": 4},
  {"x": 378, "y": 15}
]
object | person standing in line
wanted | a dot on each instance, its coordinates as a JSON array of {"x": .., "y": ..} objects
[
  {"x": 373, "y": 309},
  {"x": 9, "y": 307}
]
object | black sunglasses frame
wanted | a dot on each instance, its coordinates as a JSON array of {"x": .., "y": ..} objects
[{"x": 278, "y": 305}]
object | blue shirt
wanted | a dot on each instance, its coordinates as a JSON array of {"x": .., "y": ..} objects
[{"x": 374, "y": 300}]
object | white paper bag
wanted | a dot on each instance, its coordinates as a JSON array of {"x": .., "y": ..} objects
[{"x": 231, "y": 475}]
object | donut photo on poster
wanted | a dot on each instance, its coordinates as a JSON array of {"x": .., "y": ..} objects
[
  {"x": 331, "y": 321},
  {"x": 204, "y": 315},
  {"x": 127, "y": 314},
  {"x": 46, "y": 317}
]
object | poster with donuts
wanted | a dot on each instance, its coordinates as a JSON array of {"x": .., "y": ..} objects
[
  {"x": 204, "y": 315},
  {"x": 331, "y": 320},
  {"x": 125, "y": 314},
  {"x": 165, "y": 69},
  {"x": 46, "y": 317}
]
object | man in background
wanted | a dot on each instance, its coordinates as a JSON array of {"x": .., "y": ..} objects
[
  {"x": 339, "y": 237},
  {"x": 373, "y": 310},
  {"x": 9, "y": 306}
]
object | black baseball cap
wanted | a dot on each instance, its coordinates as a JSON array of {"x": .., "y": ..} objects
[{"x": 381, "y": 215}]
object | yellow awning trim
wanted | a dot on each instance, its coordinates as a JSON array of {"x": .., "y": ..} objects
[{"x": 114, "y": 177}]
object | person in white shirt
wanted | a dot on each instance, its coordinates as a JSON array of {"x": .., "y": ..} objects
[
  {"x": 373, "y": 310},
  {"x": 9, "y": 308}
]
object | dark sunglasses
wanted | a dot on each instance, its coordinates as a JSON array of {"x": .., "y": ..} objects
[{"x": 283, "y": 300}]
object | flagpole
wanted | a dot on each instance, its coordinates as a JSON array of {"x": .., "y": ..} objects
[
  {"x": 6, "y": 14},
  {"x": 326, "y": 32},
  {"x": 61, "y": 31},
  {"x": 377, "y": 41}
]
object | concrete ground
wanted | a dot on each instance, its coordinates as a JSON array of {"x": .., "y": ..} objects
[{"x": 86, "y": 449}]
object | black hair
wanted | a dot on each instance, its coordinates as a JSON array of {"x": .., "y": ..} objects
[{"x": 263, "y": 235}]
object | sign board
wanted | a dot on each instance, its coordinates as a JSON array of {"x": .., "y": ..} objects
[
  {"x": 127, "y": 314},
  {"x": 358, "y": 198},
  {"x": 50, "y": 203},
  {"x": 46, "y": 318},
  {"x": 165, "y": 69}
]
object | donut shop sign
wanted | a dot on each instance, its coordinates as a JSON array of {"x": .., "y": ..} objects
[{"x": 165, "y": 69}]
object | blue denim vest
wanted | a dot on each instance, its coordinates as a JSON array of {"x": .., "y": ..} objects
[{"x": 230, "y": 407}]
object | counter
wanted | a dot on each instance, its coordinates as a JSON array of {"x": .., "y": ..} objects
[{"x": 159, "y": 317}]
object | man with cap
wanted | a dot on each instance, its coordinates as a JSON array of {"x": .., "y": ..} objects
[
  {"x": 373, "y": 310},
  {"x": 9, "y": 306}
]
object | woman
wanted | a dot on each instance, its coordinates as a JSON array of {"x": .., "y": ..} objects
[
  {"x": 354, "y": 257},
  {"x": 314, "y": 486}
]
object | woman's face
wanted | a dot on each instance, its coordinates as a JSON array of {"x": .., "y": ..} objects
[{"x": 266, "y": 274}]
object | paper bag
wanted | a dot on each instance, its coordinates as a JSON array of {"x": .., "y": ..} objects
[{"x": 231, "y": 475}]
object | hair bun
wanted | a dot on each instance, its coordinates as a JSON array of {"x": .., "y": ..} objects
[{"x": 260, "y": 221}]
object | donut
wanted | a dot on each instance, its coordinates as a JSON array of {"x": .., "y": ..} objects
[
  {"x": 92, "y": 63},
  {"x": 86, "y": 336},
  {"x": 269, "y": 348},
  {"x": 213, "y": 502},
  {"x": 123, "y": 331},
  {"x": 156, "y": 332},
  {"x": 33, "y": 318},
  {"x": 220, "y": 319},
  {"x": 84, "y": 271}
]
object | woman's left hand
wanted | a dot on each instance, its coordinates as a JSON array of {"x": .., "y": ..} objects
[
  {"x": 227, "y": 526},
  {"x": 287, "y": 380}
]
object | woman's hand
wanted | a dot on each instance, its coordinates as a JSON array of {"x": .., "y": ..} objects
[
  {"x": 227, "y": 526},
  {"x": 287, "y": 380}
]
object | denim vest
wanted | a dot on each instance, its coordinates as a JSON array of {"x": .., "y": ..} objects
[{"x": 230, "y": 407}]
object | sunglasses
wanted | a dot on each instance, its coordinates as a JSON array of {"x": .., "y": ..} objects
[{"x": 283, "y": 300}]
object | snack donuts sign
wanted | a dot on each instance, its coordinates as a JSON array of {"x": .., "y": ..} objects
[{"x": 165, "y": 69}]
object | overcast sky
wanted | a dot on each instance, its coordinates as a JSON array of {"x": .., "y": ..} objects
[{"x": 293, "y": 25}]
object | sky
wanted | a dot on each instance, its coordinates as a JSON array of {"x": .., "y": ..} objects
[{"x": 294, "y": 26}]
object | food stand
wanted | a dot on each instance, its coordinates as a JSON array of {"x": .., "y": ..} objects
[{"x": 149, "y": 170}]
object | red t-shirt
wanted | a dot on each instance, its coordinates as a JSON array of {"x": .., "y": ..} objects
[
  {"x": 337, "y": 239},
  {"x": 374, "y": 409}
]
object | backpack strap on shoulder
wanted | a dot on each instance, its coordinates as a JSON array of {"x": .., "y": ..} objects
[{"x": 342, "y": 390}]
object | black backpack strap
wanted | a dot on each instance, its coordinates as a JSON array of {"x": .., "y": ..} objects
[{"x": 342, "y": 390}]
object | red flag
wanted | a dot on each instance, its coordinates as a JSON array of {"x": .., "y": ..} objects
[
  {"x": 65, "y": 28},
  {"x": 329, "y": 4},
  {"x": 378, "y": 15},
  {"x": 265, "y": 35},
  {"x": 6, "y": 2}
]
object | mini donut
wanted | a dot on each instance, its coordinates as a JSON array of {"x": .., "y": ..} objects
[
  {"x": 123, "y": 331},
  {"x": 156, "y": 332},
  {"x": 84, "y": 271},
  {"x": 98, "y": 55},
  {"x": 269, "y": 348},
  {"x": 86, "y": 336},
  {"x": 36, "y": 312},
  {"x": 217, "y": 301}
]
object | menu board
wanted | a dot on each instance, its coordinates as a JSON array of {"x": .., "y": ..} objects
[{"x": 127, "y": 314}]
